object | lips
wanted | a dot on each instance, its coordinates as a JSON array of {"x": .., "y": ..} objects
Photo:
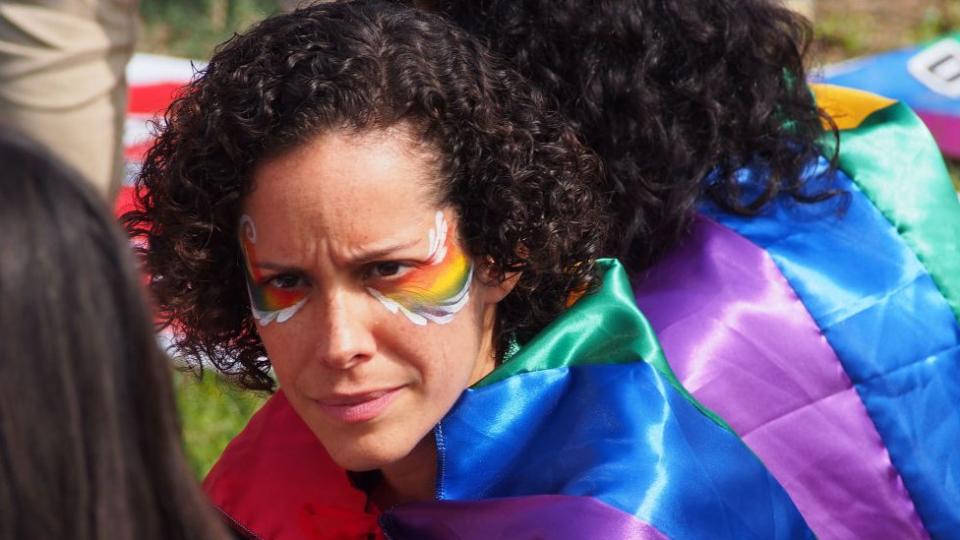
[{"x": 361, "y": 407}]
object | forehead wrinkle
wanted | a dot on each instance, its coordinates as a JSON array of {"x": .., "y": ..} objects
[
  {"x": 320, "y": 205},
  {"x": 354, "y": 246},
  {"x": 413, "y": 235},
  {"x": 377, "y": 250}
]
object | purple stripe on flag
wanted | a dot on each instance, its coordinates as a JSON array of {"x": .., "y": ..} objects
[
  {"x": 558, "y": 517},
  {"x": 745, "y": 346},
  {"x": 945, "y": 129}
]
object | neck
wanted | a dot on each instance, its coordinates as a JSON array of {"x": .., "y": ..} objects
[{"x": 410, "y": 479}]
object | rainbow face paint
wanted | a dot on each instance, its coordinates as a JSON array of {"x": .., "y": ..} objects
[
  {"x": 268, "y": 303},
  {"x": 436, "y": 290}
]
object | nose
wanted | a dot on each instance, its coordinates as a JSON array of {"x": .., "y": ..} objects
[{"x": 346, "y": 338}]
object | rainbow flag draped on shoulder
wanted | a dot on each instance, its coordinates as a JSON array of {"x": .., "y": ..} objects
[
  {"x": 583, "y": 433},
  {"x": 824, "y": 335},
  {"x": 587, "y": 419},
  {"x": 827, "y": 334}
]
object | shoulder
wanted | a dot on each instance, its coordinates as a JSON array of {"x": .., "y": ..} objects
[{"x": 837, "y": 318}]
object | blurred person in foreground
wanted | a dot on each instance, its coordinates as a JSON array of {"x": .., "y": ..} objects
[
  {"x": 89, "y": 438},
  {"x": 63, "y": 81}
]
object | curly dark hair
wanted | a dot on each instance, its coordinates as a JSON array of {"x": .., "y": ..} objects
[
  {"x": 527, "y": 191},
  {"x": 674, "y": 95}
]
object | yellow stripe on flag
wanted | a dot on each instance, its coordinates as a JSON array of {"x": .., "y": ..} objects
[{"x": 848, "y": 107}]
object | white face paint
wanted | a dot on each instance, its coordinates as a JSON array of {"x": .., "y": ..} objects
[
  {"x": 264, "y": 318},
  {"x": 436, "y": 290},
  {"x": 268, "y": 301}
]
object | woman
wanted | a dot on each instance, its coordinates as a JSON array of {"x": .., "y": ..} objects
[
  {"x": 89, "y": 440},
  {"x": 826, "y": 332},
  {"x": 360, "y": 197}
]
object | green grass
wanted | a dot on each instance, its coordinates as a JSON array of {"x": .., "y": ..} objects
[
  {"x": 849, "y": 28},
  {"x": 840, "y": 36},
  {"x": 212, "y": 411},
  {"x": 936, "y": 21}
]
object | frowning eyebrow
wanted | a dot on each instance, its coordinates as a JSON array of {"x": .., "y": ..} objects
[
  {"x": 365, "y": 255},
  {"x": 360, "y": 256},
  {"x": 267, "y": 265}
]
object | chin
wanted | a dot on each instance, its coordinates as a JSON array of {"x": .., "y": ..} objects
[{"x": 366, "y": 455}]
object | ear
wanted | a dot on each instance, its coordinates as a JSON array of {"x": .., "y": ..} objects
[{"x": 495, "y": 289}]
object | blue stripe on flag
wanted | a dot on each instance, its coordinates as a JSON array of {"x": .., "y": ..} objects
[
  {"x": 621, "y": 434},
  {"x": 890, "y": 326}
]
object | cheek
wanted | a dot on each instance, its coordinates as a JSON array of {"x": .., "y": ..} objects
[
  {"x": 449, "y": 352},
  {"x": 287, "y": 348}
]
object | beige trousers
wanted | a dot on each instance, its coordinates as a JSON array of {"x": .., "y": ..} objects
[
  {"x": 62, "y": 79},
  {"x": 807, "y": 8}
]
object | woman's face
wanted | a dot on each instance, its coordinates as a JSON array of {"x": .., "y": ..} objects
[{"x": 373, "y": 317}]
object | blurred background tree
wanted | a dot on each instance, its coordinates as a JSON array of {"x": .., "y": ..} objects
[
  {"x": 192, "y": 28},
  {"x": 844, "y": 28},
  {"x": 848, "y": 28}
]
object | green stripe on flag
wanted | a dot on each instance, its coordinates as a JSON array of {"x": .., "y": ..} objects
[
  {"x": 893, "y": 158},
  {"x": 603, "y": 327}
]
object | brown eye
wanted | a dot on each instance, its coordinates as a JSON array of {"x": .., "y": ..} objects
[
  {"x": 285, "y": 281},
  {"x": 386, "y": 269}
]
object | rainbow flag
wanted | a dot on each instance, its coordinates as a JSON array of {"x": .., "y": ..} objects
[
  {"x": 827, "y": 334},
  {"x": 584, "y": 432},
  {"x": 587, "y": 419}
]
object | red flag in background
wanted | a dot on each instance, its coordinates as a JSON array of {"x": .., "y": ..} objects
[{"x": 153, "y": 83}]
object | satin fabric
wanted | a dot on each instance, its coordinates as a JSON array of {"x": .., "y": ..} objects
[
  {"x": 556, "y": 517},
  {"x": 620, "y": 433},
  {"x": 890, "y": 325},
  {"x": 744, "y": 345},
  {"x": 911, "y": 187},
  {"x": 603, "y": 327},
  {"x": 276, "y": 481},
  {"x": 945, "y": 130},
  {"x": 886, "y": 74}
]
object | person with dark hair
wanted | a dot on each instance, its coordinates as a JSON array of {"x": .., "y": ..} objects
[
  {"x": 360, "y": 198},
  {"x": 89, "y": 438},
  {"x": 796, "y": 248},
  {"x": 676, "y": 97}
]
